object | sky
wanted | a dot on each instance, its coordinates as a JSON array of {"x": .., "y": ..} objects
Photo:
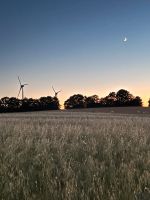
[{"x": 76, "y": 46}]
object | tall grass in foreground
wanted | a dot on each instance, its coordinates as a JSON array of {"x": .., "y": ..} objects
[{"x": 73, "y": 156}]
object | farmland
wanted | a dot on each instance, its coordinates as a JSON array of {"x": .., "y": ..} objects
[{"x": 84, "y": 154}]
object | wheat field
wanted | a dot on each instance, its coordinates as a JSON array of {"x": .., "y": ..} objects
[{"x": 74, "y": 155}]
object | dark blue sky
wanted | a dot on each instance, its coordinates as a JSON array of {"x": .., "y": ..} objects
[{"x": 76, "y": 45}]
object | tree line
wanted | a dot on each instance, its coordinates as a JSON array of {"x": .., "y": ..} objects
[
  {"x": 121, "y": 98},
  {"x": 118, "y": 99},
  {"x": 16, "y": 105}
]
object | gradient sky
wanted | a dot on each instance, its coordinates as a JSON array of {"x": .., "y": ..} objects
[{"x": 76, "y": 46}]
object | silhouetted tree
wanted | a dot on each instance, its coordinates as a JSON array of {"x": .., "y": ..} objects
[
  {"x": 31, "y": 104},
  {"x": 13, "y": 104},
  {"x": 56, "y": 104},
  {"x": 4, "y": 104},
  {"x": 24, "y": 105},
  {"x": 136, "y": 101},
  {"x": 49, "y": 103},
  {"x": 110, "y": 100},
  {"x": 75, "y": 101},
  {"x": 43, "y": 103},
  {"x": 102, "y": 102},
  {"x": 124, "y": 98},
  {"x": 1, "y": 108},
  {"x": 92, "y": 101}
]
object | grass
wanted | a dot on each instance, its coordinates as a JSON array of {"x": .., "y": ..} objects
[{"x": 73, "y": 156}]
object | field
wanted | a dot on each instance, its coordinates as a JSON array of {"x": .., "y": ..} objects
[{"x": 73, "y": 155}]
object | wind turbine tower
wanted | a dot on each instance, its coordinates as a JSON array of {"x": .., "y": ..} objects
[{"x": 21, "y": 88}]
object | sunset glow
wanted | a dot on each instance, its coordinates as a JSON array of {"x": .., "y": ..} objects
[{"x": 82, "y": 47}]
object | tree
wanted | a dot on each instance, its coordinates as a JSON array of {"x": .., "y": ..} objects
[
  {"x": 24, "y": 105},
  {"x": 32, "y": 104},
  {"x": 13, "y": 104},
  {"x": 137, "y": 101},
  {"x": 75, "y": 101},
  {"x": 124, "y": 98},
  {"x": 109, "y": 100},
  {"x": 1, "y": 108},
  {"x": 55, "y": 104},
  {"x": 49, "y": 103},
  {"x": 92, "y": 101},
  {"x": 149, "y": 102},
  {"x": 4, "y": 104}
]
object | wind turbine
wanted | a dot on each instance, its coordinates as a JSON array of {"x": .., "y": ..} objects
[
  {"x": 56, "y": 93},
  {"x": 21, "y": 88}
]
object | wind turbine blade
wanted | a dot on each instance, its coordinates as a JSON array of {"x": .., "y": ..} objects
[
  {"x": 53, "y": 89},
  {"x": 25, "y": 84},
  {"x": 19, "y": 93},
  {"x": 22, "y": 94},
  {"x": 19, "y": 80}
]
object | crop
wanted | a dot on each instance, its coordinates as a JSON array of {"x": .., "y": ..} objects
[{"x": 74, "y": 155}]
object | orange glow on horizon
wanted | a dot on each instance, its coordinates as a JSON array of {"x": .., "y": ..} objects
[{"x": 64, "y": 95}]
